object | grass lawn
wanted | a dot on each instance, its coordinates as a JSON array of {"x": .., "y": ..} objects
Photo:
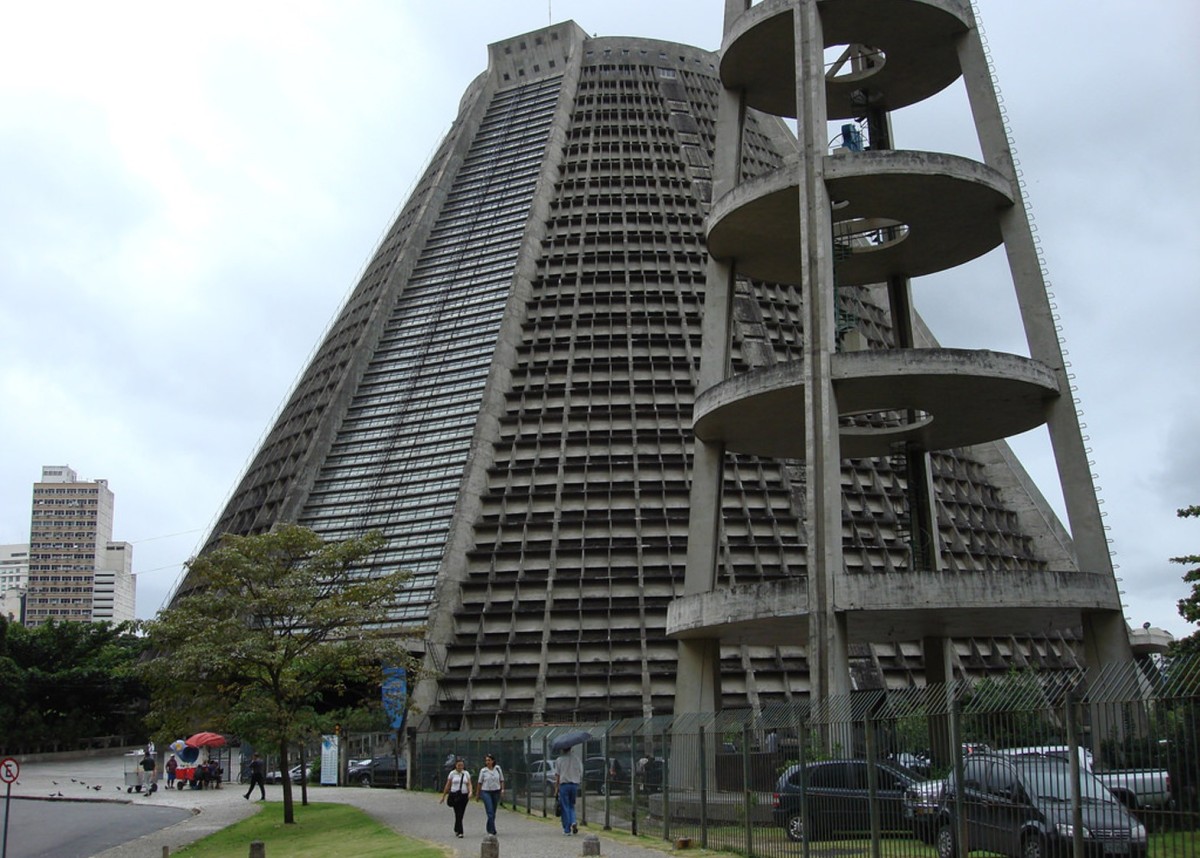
[
  {"x": 321, "y": 831},
  {"x": 343, "y": 831},
  {"x": 772, "y": 843}
]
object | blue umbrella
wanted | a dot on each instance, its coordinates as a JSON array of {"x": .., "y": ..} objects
[{"x": 570, "y": 740}]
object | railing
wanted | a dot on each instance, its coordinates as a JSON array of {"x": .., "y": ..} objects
[
  {"x": 34, "y": 749},
  {"x": 869, "y": 774}
]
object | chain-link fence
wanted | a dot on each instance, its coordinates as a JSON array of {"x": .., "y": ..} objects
[{"x": 1025, "y": 764}]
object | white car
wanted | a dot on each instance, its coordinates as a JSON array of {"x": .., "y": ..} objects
[
  {"x": 1054, "y": 752},
  {"x": 541, "y": 775},
  {"x": 277, "y": 778}
]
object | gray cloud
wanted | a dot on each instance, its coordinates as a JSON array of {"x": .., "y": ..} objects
[{"x": 181, "y": 217}]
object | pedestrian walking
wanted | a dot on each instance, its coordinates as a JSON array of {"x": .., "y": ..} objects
[
  {"x": 256, "y": 777},
  {"x": 568, "y": 774},
  {"x": 490, "y": 789},
  {"x": 457, "y": 793}
]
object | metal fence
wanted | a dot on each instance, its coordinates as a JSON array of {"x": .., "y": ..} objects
[{"x": 1026, "y": 763}]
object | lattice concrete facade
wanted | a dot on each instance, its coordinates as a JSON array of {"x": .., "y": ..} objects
[{"x": 508, "y": 395}]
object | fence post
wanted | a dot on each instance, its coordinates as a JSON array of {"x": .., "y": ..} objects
[
  {"x": 581, "y": 814},
  {"x": 545, "y": 772},
  {"x": 960, "y": 822},
  {"x": 872, "y": 784},
  {"x": 703, "y": 791},
  {"x": 746, "y": 787},
  {"x": 1076, "y": 801},
  {"x": 527, "y": 764},
  {"x": 666, "y": 785},
  {"x": 802, "y": 754},
  {"x": 608, "y": 784},
  {"x": 633, "y": 779}
]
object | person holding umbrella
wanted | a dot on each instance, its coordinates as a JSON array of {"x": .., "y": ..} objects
[{"x": 568, "y": 774}]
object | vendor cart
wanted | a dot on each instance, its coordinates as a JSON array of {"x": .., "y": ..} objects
[
  {"x": 185, "y": 773},
  {"x": 135, "y": 776}
]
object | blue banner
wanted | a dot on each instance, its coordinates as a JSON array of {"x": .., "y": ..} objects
[{"x": 395, "y": 695}]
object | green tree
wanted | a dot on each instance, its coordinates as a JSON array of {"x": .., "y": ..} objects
[
  {"x": 1189, "y": 607},
  {"x": 64, "y": 682},
  {"x": 1183, "y": 689},
  {"x": 275, "y": 629}
]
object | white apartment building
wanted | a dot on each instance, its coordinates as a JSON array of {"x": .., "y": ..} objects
[
  {"x": 71, "y": 552},
  {"x": 14, "y": 579}
]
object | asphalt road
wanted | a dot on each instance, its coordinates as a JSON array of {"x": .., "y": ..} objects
[{"x": 79, "y": 829}]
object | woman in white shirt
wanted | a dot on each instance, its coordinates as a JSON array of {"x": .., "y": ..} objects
[
  {"x": 457, "y": 793},
  {"x": 489, "y": 789}
]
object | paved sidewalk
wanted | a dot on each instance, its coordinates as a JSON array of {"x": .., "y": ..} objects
[{"x": 416, "y": 814}]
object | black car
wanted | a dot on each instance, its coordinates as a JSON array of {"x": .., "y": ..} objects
[
  {"x": 1022, "y": 807},
  {"x": 650, "y": 774},
  {"x": 379, "y": 771},
  {"x": 605, "y": 775},
  {"x": 836, "y": 798}
]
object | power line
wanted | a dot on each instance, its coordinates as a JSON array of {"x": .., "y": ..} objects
[{"x": 164, "y": 536}]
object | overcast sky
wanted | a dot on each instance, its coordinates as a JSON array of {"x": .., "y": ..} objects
[{"x": 188, "y": 191}]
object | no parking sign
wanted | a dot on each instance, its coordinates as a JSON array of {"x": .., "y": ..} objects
[{"x": 9, "y": 770}]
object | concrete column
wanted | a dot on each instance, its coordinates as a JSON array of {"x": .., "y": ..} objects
[
  {"x": 922, "y": 509},
  {"x": 1074, "y": 472},
  {"x": 828, "y": 655},
  {"x": 938, "y": 655},
  {"x": 700, "y": 666},
  {"x": 698, "y": 682}
]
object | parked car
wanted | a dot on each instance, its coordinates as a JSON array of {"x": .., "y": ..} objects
[
  {"x": 1134, "y": 788},
  {"x": 1021, "y": 806},
  {"x": 276, "y": 777},
  {"x": 834, "y": 795},
  {"x": 1057, "y": 752},
  {"x": 1139, "y": 788},
  {"x": 917, "y": 761},
  {"x": 922, "y": 806},
  {"x": 650, "y": 774},
  {"x": 541, "y": 776},
  {"x": 379, "y": 771},
  {"x": 606, "y": 775}
]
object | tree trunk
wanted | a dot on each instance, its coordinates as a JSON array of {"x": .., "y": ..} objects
[
  {"x": 303, "y": 776},
  {"x": 285, "y": 775}
]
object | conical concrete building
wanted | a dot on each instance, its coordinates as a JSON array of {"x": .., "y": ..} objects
[{"x": 508, "y": 396}]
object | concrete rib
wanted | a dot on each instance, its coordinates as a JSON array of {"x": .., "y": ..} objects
[
  {"x": 916, "y": 59},
  {"x": 948, "y": 204},
  {"x": 968, "y": 397}
]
